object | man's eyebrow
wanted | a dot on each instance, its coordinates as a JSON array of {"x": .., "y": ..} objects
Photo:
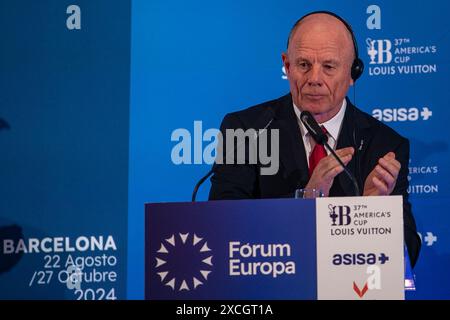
[
  {"x": 299, "y": 59},
  {"x": 331, "y": 61}
]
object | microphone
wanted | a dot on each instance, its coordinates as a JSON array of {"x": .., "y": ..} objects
[
  {"x": 321, "y": 138},
  {"x": 313, "y": 128},
  {"x": 271, "y": 113}
]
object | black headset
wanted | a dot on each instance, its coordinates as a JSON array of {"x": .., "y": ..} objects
[{"x": 357, "y": 65}]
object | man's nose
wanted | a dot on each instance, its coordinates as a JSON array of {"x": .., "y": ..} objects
[{"x": 315, "y": 76}]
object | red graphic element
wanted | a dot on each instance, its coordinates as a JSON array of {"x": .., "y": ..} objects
[{"x": 362, "y": 292}]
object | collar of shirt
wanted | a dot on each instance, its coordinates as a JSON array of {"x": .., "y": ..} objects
[{"x": 333, "y": 126}]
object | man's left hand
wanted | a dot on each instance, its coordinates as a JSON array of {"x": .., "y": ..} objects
[{"x": 381, "y": 181}]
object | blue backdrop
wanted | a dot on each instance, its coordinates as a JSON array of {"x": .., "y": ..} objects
[
  {"x": 64, "y": 109},
  {"x": 91, "y": 95},
  {"x": 199, "y": 60}
]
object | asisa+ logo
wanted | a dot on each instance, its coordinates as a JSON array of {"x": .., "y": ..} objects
[{"x": 359, "y": 259}]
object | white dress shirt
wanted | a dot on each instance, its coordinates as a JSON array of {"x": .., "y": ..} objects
[{"x": 333, "y": 127}]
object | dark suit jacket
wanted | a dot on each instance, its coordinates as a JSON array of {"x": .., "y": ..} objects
[{"x": 370, "y": 138}]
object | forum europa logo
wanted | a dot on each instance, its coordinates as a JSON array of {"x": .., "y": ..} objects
[{"x": 183, "y": 261}]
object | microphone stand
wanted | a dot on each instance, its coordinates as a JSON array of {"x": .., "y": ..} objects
[{"x": 349, "y": 174}]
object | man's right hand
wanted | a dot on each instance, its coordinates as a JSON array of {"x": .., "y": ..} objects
[{"x": 328, "y": 168}]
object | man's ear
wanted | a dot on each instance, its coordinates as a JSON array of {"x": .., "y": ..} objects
[{"x": 286, "y": 63}]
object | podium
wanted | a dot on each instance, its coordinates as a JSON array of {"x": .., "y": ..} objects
[{"x": 324, "y": 248}]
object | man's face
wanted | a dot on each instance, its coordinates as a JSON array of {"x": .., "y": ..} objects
[{"x": 318, "y": 63}]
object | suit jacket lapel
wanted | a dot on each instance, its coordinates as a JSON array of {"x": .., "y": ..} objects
[
  {"x": 353, "y": 130},
  {"x": 292, "y": 150}
]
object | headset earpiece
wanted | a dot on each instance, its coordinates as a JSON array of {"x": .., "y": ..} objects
[{"x": 357, "y": 69}]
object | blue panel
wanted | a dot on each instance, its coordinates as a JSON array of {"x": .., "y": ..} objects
[
  {"x": 64, "y": 157},
  {"x": 250, "y": 251}
]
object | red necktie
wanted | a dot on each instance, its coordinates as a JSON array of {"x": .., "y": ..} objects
[{"x": 316, "y": 155}]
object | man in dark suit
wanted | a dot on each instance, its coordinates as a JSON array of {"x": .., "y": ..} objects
[{"x": 321, "y": 64}]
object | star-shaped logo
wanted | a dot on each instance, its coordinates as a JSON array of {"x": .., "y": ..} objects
[{"x": 183, "y": 262}]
